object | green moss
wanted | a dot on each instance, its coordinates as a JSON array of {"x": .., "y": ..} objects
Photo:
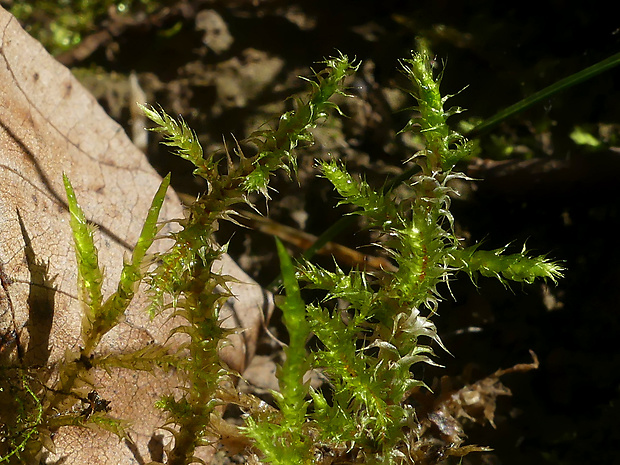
[{"x": 366, "y": 347}]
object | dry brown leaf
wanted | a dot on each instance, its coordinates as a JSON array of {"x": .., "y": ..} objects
[{"x": 49, "y": 124}]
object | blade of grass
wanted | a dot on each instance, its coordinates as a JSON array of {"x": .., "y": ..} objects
[{"x": 543, "y": 94}]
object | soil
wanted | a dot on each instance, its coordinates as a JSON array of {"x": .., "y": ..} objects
[{"x": 227, "y": 67}]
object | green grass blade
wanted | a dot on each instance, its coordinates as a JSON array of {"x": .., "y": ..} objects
[{"x": 545, "y": 93}]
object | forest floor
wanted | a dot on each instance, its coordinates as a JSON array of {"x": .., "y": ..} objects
[{"x": 228, "y": 66}]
